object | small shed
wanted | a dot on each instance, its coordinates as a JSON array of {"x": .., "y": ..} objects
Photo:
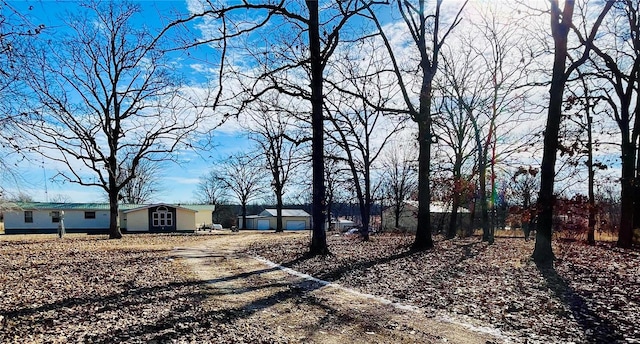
[{"x": 292, "y": 219}]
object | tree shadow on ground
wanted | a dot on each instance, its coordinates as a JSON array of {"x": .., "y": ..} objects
[
  {"x": 115, "y": 300},
  {"x": 468, "y": 251},
  {"x": 596, "y": 328},
  {"x": 218, "y": 323},
  {"x": 341, "y": 270},
  {"x": 179, "y": 312}
]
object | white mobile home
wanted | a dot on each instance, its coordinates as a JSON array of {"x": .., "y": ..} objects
[{"x": 34, "y": 217}]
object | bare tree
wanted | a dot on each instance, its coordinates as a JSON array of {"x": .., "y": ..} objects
[
  {"x": 561, "y": 23},
  {"x": 621, "y": 71},
  {"x": 524, "y": 185},
  {"x": 361, "y": 131},
  {"x": 271, "y": 129},
  {"x": 426, "y": 33},
  {"x": 105, "y": 95},
  {"x": 399, "y": 178},
  {"x": 246, "y": 180},
  {"x": 585, "y": 106},
  {"x": 459, "y": 97},
  {"x": 484, "y": 100},
  {"x": 211, "y": 188},
  {"x": 143, "y": 185},
  {"x": 15, "y": 29},
  {"x": 16, "y": 32},
  {"x": 289, "y": 67}
]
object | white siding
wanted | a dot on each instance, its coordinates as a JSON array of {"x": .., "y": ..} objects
[
  {"x": 75, "y": 219},
  {"x": 138, "y": 221},
  {"x": 41, "y": 220}
]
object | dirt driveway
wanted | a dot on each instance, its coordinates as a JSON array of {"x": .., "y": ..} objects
[{"x": 299, "y": 309}]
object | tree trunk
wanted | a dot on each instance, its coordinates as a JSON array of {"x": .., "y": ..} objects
[
  {"x": 279, "y": 227},
  {"x": 365, "y": 203},
  {"x": 636, "y": 181},
  {"x": 591, "y": 238},
  {"x": 114, "y": 223},
  {"x": 319, "y": 238},
  {"x": 453, "y": 219},
  {"x": 244, "y": 215},
  {"x": 365, "y": 213},
  {"x": 625, "y": 235},
  {"x": 329, "y": 210},
  {"x": 560, "y": 25},
  {"x": 482, "y": 179},
  {"x": 484, "y": 208},
  {"x": 543, "y": 252},
  {"x": 423, "y": 240}
]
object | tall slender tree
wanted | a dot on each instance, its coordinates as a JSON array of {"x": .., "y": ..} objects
[
  {"x": 143, "y": 185},
  {"x": 211, "y": 188},
  {"x": 399, "y": 178},
  {"x": 362, "y": 132},
  {"x": 428, "y": 36},
  {"x": 16, "y": 33},
  {"x": 246, "y": 180},
  {"x": 621, "y": 71},
  {"x": 561, "y": 23},
  {"x": 271, "y": 129}
]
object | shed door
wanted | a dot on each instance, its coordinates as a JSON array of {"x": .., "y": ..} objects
[
  {"x": 263, "y": 224},
  {"x": 296, "y": 225}
]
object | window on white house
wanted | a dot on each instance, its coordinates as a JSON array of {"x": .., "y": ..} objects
[
  {"x": 55, "y": 216},
  {"x": 28, "y": 216},
  {"x": 89, "y": 214}
]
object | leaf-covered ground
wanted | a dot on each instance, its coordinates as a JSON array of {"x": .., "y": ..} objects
[
  {"x": 592, "y": 295},
  {"x": 87, "y": 289}
]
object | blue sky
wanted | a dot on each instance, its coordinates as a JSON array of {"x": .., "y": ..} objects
[{"x": 178, "y": 182}]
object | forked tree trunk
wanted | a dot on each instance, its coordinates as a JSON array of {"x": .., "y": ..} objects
[
  {"x": 591, "y": 238},
  {"x": 636, "y": 185},
  {"x": 453, "y": 219},
  {"x": 484, "y": 207}
]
